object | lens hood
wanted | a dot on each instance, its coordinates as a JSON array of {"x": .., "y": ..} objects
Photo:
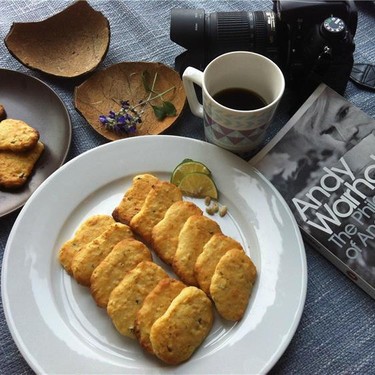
[{"x": 187, "y": 27}]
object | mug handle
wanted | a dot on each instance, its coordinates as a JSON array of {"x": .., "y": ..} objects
[{"x": 189, "y": 77}]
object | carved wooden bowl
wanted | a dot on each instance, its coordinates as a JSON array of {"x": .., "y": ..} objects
[
  {"x": 104, "y": 90},
  {"x": 69, "y": 44}
]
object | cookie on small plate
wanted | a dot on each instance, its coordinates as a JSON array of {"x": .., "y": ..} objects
[
  {"x": 3, "y": 114},
  {"x": 17, "y": 136},
  {"x": 17, "y": 167}
]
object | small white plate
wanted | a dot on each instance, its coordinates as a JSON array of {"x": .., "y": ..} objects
[{"x": 55, "y": 322}]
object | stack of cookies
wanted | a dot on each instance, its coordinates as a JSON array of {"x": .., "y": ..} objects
[
  {"x": 20, "y": 149},
  {"x": 112, "y": 256}
]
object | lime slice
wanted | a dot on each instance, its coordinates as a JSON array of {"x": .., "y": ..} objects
[
  {"x": 198, "y": 185},
  {"x": 188, "y": 166}
]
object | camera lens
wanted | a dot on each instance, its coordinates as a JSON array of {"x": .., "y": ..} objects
[
  {"x": 246, "y": 31},
  {"x": 208, "y": 36},
  {"x": 187, "y": 27}
]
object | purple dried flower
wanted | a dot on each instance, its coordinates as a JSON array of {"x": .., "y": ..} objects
[
  {"x": 121, "y": 119},
  {"x": 126, "y": 120},
  {"x": 125, "y": 104},
  {"x": 122, "y": 122},
  {"x": 103, "y": 119}
]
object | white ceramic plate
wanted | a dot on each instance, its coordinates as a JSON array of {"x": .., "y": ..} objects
[{"x": 55, "y": 322}]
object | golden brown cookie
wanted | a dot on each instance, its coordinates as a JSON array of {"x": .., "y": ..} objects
[
  {"x": 165, "y": 233},
  {"x": 16, "y": 167},
  {"x": 91, "y": 228},
  {"x": 3, "y": 114},
  {"x": 17, "y": 136},
  {"x": 154, "y": 306},
  {"x": 232, "y": 284},
  {"x": 183, "y": 327},
  {"x": 109, "y": 273},
  {"x": 195, "y": 233},
  {"x": 134, "y": 198},
  {"x": 89, "y": 257},
  {"x": 208, "y": 259},
  {"x": 127, "y": 298},
  {"x": 161, "y": 196}
]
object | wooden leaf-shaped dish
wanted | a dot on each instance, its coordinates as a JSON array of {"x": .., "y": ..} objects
[
  {"x": 104, "y": 90},
  {"x": 69, "y": 44}
]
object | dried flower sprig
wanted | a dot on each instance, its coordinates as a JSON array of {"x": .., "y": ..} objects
[
  {"x": 124, "y": 121},
  {"x": 127, "y": 119}
]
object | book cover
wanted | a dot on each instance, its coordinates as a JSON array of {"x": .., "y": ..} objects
[{"x": 323, "y": 164}]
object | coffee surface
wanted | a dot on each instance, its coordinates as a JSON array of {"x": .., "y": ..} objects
[{"x": 239, "y": 99}]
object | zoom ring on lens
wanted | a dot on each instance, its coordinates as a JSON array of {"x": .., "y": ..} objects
[
  {"x": 233, "y": 30},
  {"x": 261, "y": 32}
]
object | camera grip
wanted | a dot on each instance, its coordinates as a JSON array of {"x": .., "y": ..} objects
[{"x": 189, "y": 77}]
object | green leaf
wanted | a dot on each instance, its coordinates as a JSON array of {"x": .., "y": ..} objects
[
  {"x": 159, "y": 112},
  {"x": 146, "y": 80},
  {"x": 169, "y": 109}
]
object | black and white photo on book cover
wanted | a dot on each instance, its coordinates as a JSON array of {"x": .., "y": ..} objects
[{"x": 323, "y": 164}]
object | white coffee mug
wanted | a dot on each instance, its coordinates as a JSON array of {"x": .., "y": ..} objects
[{"x": 237, "y": 130}]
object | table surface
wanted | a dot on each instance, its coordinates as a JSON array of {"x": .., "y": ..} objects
[{"x": 336, "y": 334}]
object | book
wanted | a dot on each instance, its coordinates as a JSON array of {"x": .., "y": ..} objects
[{"x": 323, "y": 163}]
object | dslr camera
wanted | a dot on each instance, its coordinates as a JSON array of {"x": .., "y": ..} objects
[{"x": 311, "y": 41}]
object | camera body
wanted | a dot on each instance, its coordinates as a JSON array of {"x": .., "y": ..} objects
[{"x": 311, "y": 40}]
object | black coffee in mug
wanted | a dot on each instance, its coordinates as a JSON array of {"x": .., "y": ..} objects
[{"x": 239, "y": 99}]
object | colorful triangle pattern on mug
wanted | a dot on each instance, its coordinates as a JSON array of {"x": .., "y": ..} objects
[{"x": 233, "y": 136}]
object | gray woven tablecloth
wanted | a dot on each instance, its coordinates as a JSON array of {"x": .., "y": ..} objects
[{"x": 336, "y": 334}]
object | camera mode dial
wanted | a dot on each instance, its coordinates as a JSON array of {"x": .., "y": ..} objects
[{"x": 333, "y": 28}]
